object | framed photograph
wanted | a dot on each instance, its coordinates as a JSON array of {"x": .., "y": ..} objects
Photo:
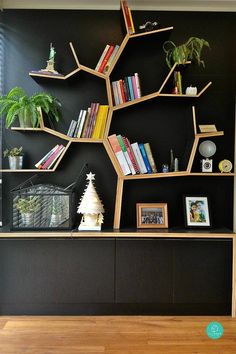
[
  {"x": 197, "y": 211},
  {"x": 152, "y": 215}
]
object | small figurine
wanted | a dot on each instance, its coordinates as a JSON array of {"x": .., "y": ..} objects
[
  {"x": 51, "y": 61},
  {"x": 148, "y": 26},
  {"x": 91, "y": 207}
]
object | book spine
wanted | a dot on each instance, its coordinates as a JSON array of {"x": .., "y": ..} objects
[
  {"x": 83, "y": 134},
  {"x": 179, "y": 82},
  {"x": 131, "y": 88},
  {"x": 119, "y": 154},
  {"x": 93, "y": 120},
  {"x": 57, "y": 147},
  {"x": 82, "y": 123},
  {"x": 131, "y": 155},
  {"x": 139, "y": 158},
  {"x": 110, "y": 60},
  {"x": 104, "y": 120},
  {"x": 131, "y": 20},
  {"x": 119, "y": 92},
  {"x": 45, "y": 157},
  {"x": 115, "y": 93},
  {"x": 92, "y": 107},
  {"x": 137, "y": 80},
  {"x": 145, "y": 158},
  {"x": 122, "y": 91},
  {"x": 106, "y": 58},
  {"x": 127, "y": 16},
  {"x": 78, "y": 124},
  {"x": 53, "y": 158},
  {"x": 123, "y": 147},
  {"x": 102, "y": 57},
  {"x": 150, "y": 157},
  {"x": 134, "y": 87},
  {"x": 127, "y": 88}
]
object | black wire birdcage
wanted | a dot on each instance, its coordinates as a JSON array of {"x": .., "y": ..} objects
[{"x": 44, "y": 206}]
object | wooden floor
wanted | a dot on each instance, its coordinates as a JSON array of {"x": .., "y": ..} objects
[{"x": 114, "y": 335}]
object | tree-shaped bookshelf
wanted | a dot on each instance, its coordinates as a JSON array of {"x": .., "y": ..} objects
[{"x": 112, "y": 108}]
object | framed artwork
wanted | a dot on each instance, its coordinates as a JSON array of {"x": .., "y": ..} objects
[
  {"x": 197, "y": 211},
  {"x": 152, "y": 215}
]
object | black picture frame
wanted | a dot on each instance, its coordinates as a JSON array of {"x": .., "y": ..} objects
[{"x": 197, "y": 212}]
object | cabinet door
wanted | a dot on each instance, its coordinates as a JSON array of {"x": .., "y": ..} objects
[
  {"x": 202, "y": 271},
  {"x": 143, "y": 271},
  {"x": 56, "y": 271}
]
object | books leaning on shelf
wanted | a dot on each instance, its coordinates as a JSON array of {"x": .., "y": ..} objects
[
  {"x": 50, "y": 158},
  {"x": 106, "y": 58},
  {"x": 126, "y": 90},
  {"x": 91, "y": 123},
  {"x": 133, "y": 158},
  {"x": 128, "y": 17}
]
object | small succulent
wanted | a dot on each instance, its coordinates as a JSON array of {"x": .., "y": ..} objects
[{"x": 13, "y": 152}]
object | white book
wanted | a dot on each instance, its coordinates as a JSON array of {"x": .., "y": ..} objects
[
  {"x": 81, "y": 123},
  {"x": 136, "y": 76},
  {"x": 102, "y": 57},
  {"x": 78, "y": 124},
  {"x": 139, "y": 158},
  {"x": 115, "y": 93},
  {"x": 45, "y": 157},
  {"x": 119, "y": 92},
  {"x": 119, "y": 154},
  {"x": 123, "y": 147}
]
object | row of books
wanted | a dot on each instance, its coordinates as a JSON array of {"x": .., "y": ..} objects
[
  {"x": 50, "y": 158},
  {"x": 106, "y": 58},
  {"x": 128, "y": 17},
  {"x": 126, "y": 90},
  {"x": 91, "y": 122},
  {"x": 135, "y": 158}
]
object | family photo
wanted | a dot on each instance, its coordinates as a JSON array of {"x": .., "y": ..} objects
[{"x": 197, "y": 211}]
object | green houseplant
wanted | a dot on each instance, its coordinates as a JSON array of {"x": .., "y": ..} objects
[
  {"x": 188, "y": 51},
  {"x": 18, "y": 104},
  {"x": 27, "y": 207},
  {"x": 15, "y": 157}
]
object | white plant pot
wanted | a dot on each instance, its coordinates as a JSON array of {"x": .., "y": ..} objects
[{"x": 15, "y": 162}]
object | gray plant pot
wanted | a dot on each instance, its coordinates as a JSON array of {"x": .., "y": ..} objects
[
  {"x": 15, "y": 162},
  {"x": 27, "y": 219},
  {"x": 25, "y": 120}
]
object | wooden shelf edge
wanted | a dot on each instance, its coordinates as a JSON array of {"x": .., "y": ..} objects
[
  {"x": 86, "y": 140},
  {"x": 116, "y": 234},
  {"x": 27, "y": 129},
  {"x": 212, "y": 174},
  {"x": 208, "y": 135},
  {"x": 92, "y": 71},
  {"x": 48, "y": 76},
  {"x": 137, "y": 100},
  {"x": 135, "y": 35},
  {"x": 156, "y": 175},
  {"x": 25, "y": 170}
]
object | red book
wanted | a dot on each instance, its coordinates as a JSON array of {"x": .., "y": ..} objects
[
  {"x": 106, "y": 58},
  {"x": 122, "y": 91},
  {"x": 131, "y": 154},
  {"x": 127, "y": 16}
]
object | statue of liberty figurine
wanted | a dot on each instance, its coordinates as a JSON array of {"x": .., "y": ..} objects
[{"x": 51, "y": 61}]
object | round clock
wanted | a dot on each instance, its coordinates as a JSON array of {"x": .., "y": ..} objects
[{"x": 225, "y": 166}]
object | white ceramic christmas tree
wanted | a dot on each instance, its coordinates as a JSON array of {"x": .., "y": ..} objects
[{"x": 91, "y": 207}]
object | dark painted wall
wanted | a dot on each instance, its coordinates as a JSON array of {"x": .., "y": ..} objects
[{"x": 164, "y": 122}]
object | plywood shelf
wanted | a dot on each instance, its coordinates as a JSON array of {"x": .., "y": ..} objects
[
  {"x": 156, "y": 175},
  {"x": 26, "y": 170},
  {"x": 141, "y": 34}
]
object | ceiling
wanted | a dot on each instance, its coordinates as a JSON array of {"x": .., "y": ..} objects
[{"x": 165, "y": 5}]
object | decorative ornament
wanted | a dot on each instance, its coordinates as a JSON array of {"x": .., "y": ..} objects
[
  {"x": 225, "y": 166},
  {"x": 191, "y": 91},
  {"x": 51, "y": 61},
  {"x": 91, "y": 207},
  {"x": 207, "y": 149}
]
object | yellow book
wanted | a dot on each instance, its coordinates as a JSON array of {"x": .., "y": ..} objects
[
  {"x": 104, "y": 120},
  {"x": 131, "y": 20},
  {"x": 98, "y": 124}
]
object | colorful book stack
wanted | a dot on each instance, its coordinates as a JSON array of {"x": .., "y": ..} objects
[
  {"x": 50, "y": 158},
  {"x": 133, "y": 158},
  {"x": 128, "y": 17},
  {"x": 177, "y": 83},
  {"x": 126, "y": 90},
  {"x": 106, "y": 58},
  {"x": 91, "y": 122}
]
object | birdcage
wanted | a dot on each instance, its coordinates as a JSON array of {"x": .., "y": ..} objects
[{"x": 43, "y": 206}]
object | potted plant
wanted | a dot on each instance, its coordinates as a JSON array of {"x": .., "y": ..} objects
[
  {"x": 17, "y": 104},
  {"x": 15, "y": 157},
  {"x": 27, "y": 207},
  {"x": 188, "y": 51}
]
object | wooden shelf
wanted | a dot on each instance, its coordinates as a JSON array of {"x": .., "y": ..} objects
[
  {"x": 209, "y": 135},
  {"x": 141, "y": 34},
  {"x": 26, "y": 170},
  {"x": 212, "y": 174},
  {"x": 137, "y": 100},
  {"x": 48, "y": 76},
  {"x": 156, "y": 175},
  {"x": 27, "y": 129},
  {"x": 86, "y": 140},
  {"x": 184, "y": 95}
]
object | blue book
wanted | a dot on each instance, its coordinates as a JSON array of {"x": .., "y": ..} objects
[
  {"x": 131, "y": 91},
  {"x": 145, "y": 158}
]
